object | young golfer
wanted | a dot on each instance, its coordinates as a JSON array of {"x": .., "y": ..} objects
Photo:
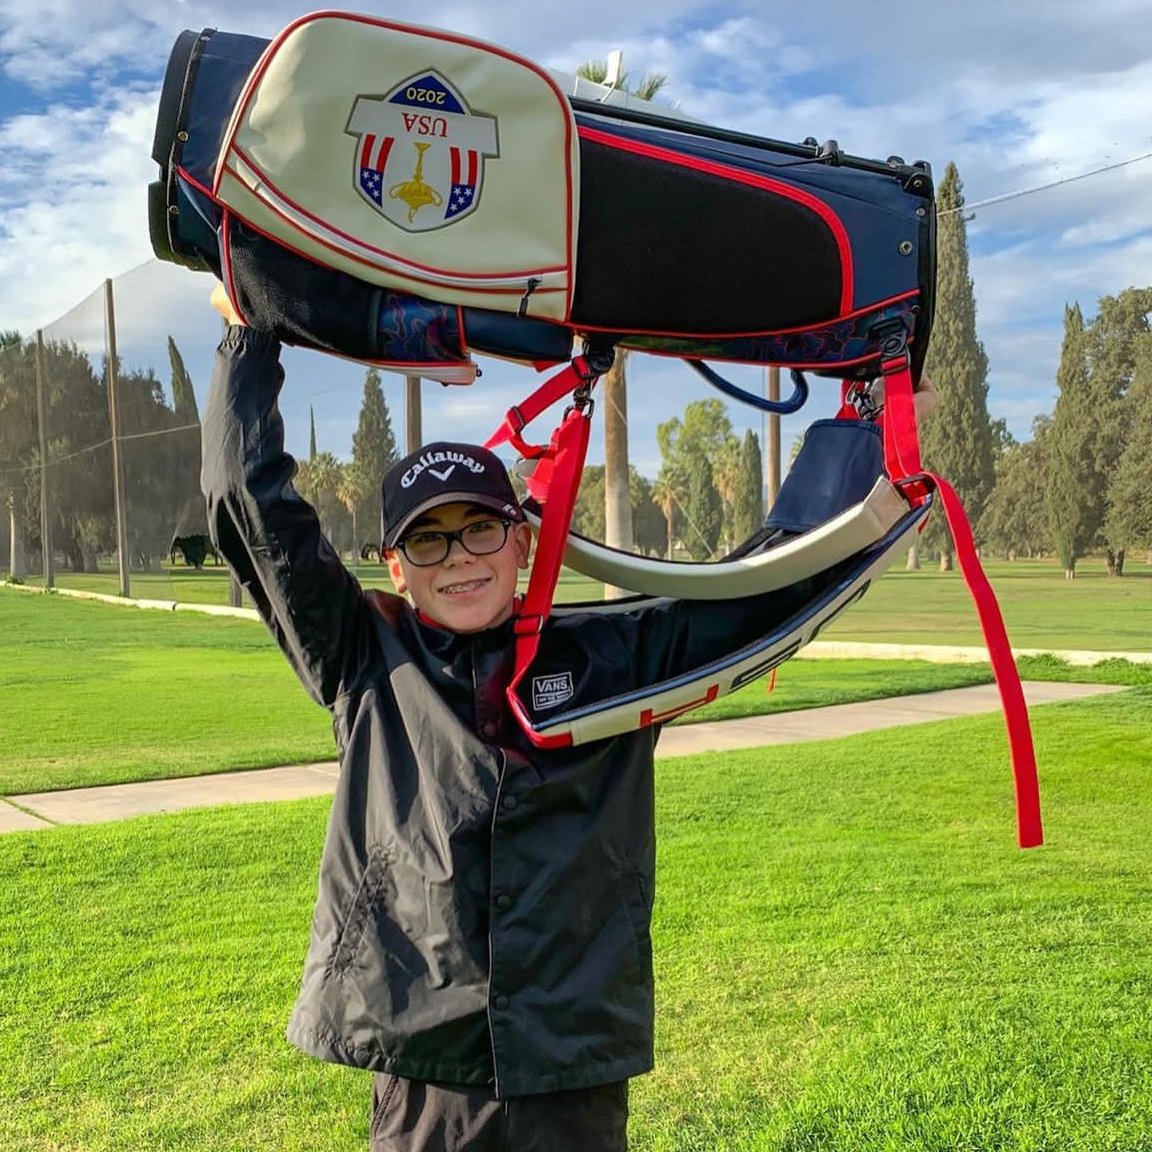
[{"x": 481, "y": 933}]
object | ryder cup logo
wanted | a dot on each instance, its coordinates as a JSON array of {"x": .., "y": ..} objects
[{"x": 420, "y": 160}]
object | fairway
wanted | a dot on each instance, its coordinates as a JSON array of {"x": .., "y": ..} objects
[
  {"x": 104, "y": 694},
  {"x": 852, "y": 956},
  {"x": 1041, "y": 609}
]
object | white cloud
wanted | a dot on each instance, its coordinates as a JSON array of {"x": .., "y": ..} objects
[{"x": 1017, "y": 95}]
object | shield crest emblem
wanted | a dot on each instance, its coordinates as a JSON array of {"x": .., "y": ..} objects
[{"x": 421, "y": 152}]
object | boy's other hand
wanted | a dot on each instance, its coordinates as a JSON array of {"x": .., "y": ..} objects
[
  {"x": 219, "y": 300},
  {"x": 926, "y": 398}
]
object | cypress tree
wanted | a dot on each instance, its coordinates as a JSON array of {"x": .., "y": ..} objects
[
  {"x": 748, "y": 505},
  {"x": 705, "y": 511},
  {"x": 1120, "y": 325},
  {"x": 957, "y": 441},
  {"x": 373, "y": 447},
  {"x": 1073, "y": 515},
  {"x": 1128, "y": 522}
]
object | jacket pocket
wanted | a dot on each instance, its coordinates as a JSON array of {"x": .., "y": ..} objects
[
  {"x": 638, "y": 905},
  {"x": 368, "y": 892}
]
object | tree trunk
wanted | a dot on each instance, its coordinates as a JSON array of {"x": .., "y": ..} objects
[
  {"x": 912, "y": 564},
  {"x": 17, "y": 563},
  {"x": 1115, "y": 562},
  {"x": 617, "y": 500},
  {"x": 945, "y": 561}
]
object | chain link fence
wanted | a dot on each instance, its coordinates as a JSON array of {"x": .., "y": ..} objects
[{"x": 100, "y": 443}]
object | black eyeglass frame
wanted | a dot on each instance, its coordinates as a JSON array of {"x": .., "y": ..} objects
[{"x": 450, "y": 537}]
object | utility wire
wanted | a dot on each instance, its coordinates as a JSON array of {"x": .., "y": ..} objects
[{"x": 1045, "y": 187}]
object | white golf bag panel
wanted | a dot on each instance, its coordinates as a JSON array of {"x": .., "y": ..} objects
[
  {"x": 411, "y": 158},
  {"x": 774, "y": 565}
]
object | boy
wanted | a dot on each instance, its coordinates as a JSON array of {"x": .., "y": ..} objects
[{"x": 481, "y": 933}]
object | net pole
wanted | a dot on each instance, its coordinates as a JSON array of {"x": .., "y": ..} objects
[
  {"x": 47, "y": 565},
  {"x": 117, "y": 451}
]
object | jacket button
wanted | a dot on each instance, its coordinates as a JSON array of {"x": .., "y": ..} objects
[
  {"x": 503, "y": 901},
  {"x": 500, "y": 1001},
  {"x": 509, "y": 803}
]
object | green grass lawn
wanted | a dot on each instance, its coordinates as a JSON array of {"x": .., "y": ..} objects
[
  {"x": 852, "y": 956},
  {"x": 1041, "y": 608},
  {"x": 102, "y": 694}
]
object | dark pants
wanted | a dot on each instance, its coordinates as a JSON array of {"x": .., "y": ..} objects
[{"x": 413, "y": 1116}]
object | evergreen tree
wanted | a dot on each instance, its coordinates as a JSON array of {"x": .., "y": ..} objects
[
  {"x": 589, "y": 514},
  {"x": 373, "y": 453},
  {"x": 747, "y": 507},
  {"x": 1015, "y": 518},
  {"x": 1073, "y": 495},
  {"x": 704, "y": 512},
  {"x": 183, "y": 394},
  {"x": 1121, "y": 324},
  {"x": 1128, "y": 522},
  {"x": 958, "y": 441},
  {"x": 311, "y": 433},
  {"x": 185, "y": 449}
]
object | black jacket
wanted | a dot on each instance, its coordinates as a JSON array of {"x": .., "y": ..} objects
[{"x": 483, "y": 909}]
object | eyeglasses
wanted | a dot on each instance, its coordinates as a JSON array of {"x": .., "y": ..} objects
[{"x": 480, "y": 538}]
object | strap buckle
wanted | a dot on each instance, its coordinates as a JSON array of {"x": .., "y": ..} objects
[{"x": 528, "y": 624}]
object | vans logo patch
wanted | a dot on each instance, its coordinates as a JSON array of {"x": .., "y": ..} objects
[{"x": 551, "y": 691}]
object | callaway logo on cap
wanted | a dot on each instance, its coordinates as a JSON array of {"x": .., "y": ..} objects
[{"x": 444, "y": 473}]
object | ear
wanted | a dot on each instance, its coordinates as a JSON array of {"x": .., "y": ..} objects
[
  {"x": 522, "y": 542},
  {"x": 392, "y": 559}
]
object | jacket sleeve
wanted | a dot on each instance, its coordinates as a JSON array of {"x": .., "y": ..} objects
[{"x": 268, "y": 534}]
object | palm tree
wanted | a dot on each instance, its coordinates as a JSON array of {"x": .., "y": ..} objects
[{"x": 618, "y": 532}]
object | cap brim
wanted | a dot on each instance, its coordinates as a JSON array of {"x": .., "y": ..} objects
[{"x": 507, "y": 510}]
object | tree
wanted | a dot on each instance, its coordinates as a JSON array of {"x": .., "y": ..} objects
[
  {"x": 589, "y": 514},
  {"x": 373, "y": 453},
  {"x": 1120, "y": 326},
  {"x": 664, "y": 494},
  {"x": 1128, "y": 521},
  {"x": 619, "y": 528},
  {"x": 1073, "y": 495},
  {"x": 319, "y": 481},
  {"x": 705, "y": 511},
  {"x": 1015, "y": 518},
  {"x": 958, "y": 441},
  {"x": 186, "y": 443},
  {"x": 161, "y": 465},
  {"x": 748, "y": 500},
  {"x": 704, "y": 431}
]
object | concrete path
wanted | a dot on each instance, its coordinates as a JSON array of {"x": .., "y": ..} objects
[{"x": 119, "y": 801}]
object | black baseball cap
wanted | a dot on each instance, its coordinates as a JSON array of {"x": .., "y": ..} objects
[{"x": 444, "y": 473}]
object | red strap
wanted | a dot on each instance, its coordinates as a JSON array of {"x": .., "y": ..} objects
[
  {"x": 565, "y": 455},
  {"x": 901, "y": 439},
  {"x": 1029, "y": 830},
  {"x": 902, "y": 460},
  {"x": 554, "y": 483},
  {"x": 519, "y": 416}
]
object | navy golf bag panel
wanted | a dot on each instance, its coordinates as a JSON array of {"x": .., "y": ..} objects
[{"x": 686, "y": 240}]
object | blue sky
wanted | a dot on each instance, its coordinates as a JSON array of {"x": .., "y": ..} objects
[{"x": 1018, "y": 95}]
